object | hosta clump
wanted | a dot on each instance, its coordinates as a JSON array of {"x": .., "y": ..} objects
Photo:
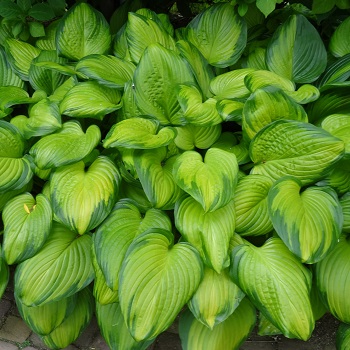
[{"x": 138, "y": 172}]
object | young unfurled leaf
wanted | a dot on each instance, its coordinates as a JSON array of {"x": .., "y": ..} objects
[
  {"x": 68, "y": 145},
  {"x": 309, "y": 222},
  {"x": 210, "y": 233},
  {"x": 229, "y": 334},
  {"x": 139, "y": 133},
  {"x": 61, "y": 268},
  {"x": 211, "y": 181},
  {"x": 82, "y": 198},
  {"x": 277, "y": 283},
  {"x": 296, "y": 51},
  {"x": 216, "y": 298},
  {"x": 27, "y": 224},
  {"x": 302, "y": 150},
  {"x": 82, "y": 31},
  {"x": 156, "y": 280},
  {"x": 219, "y": 34}
]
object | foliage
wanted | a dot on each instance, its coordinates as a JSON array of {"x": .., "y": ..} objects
[{"x": 140, "y": 164}]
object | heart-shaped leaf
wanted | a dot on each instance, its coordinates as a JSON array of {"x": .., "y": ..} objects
[
  {"x": 61, "y": 268},
  {"x": 210, "y": 181},
  {"x": 81, "y": 199},
  {"x": 277, "y": 284},
  {"x": 156, "y": 272},
  {"x": 309, "y": 222}
]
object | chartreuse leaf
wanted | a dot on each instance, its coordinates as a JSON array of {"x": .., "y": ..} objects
[
  {"x": 15, "y": 169},
  {"x": 139, "y": 133},
  {"x": 211, "y": 181},
  {"x": 157, "y": 279},
  {"x": 155, "y": 79},
  {"x": 256, "y": 59},
  {"x": 45, "y": 318},
  {"x": 210, "y": 233},
  {"x": 250, "y": 205},
  {"x": 339, "y": 126},
  {"x": 129, "y": 108},
  {"x": 8, "y": 195},
  {"x": 266, "y": 105},
  {"x": 62, "y": 90},
  {"x": 332, "y": 281},
  {"x": 82, "y": 31},
  {"x": 107, "y": 70},
  {"x": 67, "y": 146},
  {"x": 219, "y": 34},
  {"x": 216, "y": 298},
  {"x": 7, "y": 75},
  {"x": 48, "y": 41},
  {"x": 46, "y": 79},
  {"x": 90, "y": 100},
  {"x": 61, "y": 268},
  {"x": 296, "y": 51},
  {"x": 116, "y": 233},
  {"x": 302, "y": 150},
  {"x": 345, "y": 206},
  {"x": 193, "y": 136},
  {"x": 102, "y": 293},
  {"x": 27, "y": 224},
  {"x": 70, "y": 329},
  {"x": 11, "y": 96},
  {"x": 82, "y": 198},
  {"x": 20, "y": 56},
  {"x": 343, "y": 337},
  {"x": 142, "y": 31},
  {"x": 113, "y": 329},
  {"x": 318, "y": 308},
  {"x": 156, "y": 177},
  {"x": 339, "y": 45},
  {"x": 309, "y": 222},
  {"x": 231, "y": 84},
  {"x": 230, "y": 110},
  {"x": 195, "y": 110},
  {"x": 4, "y": 275},
  {"x": 277, "y": 283},
  {"x": 229, "y": 334},
  {"x": 200, "y": 67},
  {"x": 266, "y": 327}
]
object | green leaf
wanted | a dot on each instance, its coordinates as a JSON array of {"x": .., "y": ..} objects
[
  {"x": 345, "y": 206},
  {"x": 152, "y": 274},
  {"x": 210, "y": 181},
  {"x": 339, "y": 43},
  {"x": 305, "y": 94},
  {"x": 82, "y": 198},
  {"x": 142, "y": 32},
  {"x": 286, "y": 147},
  {"x": 156, "y": 177},
  {"x": 229, "y": 334},
  {"x": 61, "y": 268},
  {"x": 8, "y": 195},
  {"x": 139, "y": 133},
  {"x": 322, "y": 6},
  {"x": 309, "y": 222},
  {"x": 90, "y": 100},
  {"x": 216, "y": 298},
  {"x": 20, "y": 56},
  {"x": 114, "y": 331},
  {"x": 155, "y": 79},
  {"x": 82, "y": 31},
  {"x": 7, "y": 75},
  {"x": 24, "y": 4},
  {"x": 27, "y": 224},
  {"x": 69, "y": 145},
  {"x": 277, "y": 283},
  {"x": 343, "y": 337},
  {"x": 70, "y": 329},
  {"x": 296, "y": 51},
  {"x": 210, "y": 233},
  {"x": 4, "y": 276},
  {"x": 45, "y": 318},
  {"x": 108, "y": 70},
  {"x": 36, "y": 29},
  {"x": 48, "y": 42},
  {"x": 266, "y": 327},
  {"x": 230, "y": 110},
  {"x": 195, "y": 110},
  {"x": 41, "y": 12},
  {"x": 15, "y": 169},
  {"x": 219, "y": 34},
  {"x": 250, "y": 205},
  {"x": 10, "y": 10},
  {"x": 266, "y": 6},
  {"x": 193, "y": 136},
  {"x": 11, "y": 96},
  {"x": 267, "y": 105},
  {"x": 332, "y": 282},
  {"x": 117, "y": 232}
]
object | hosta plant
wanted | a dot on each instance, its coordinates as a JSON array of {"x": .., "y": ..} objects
[{"x": 202, "y": 171}]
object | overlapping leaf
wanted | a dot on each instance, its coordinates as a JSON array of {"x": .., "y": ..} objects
[
  {"x": 4, "y": 276},
  {"x": 339, "y": 44},
  {"x": 343, "y": 337},
  {"x": 8, "y": 77},
  {"x": 156, "y": 280},
  {"x": 345, "y": 206}
]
